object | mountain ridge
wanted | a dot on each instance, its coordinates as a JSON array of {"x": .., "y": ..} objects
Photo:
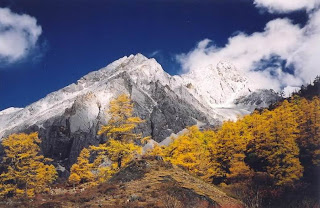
[{"x": 68, "y": 119}]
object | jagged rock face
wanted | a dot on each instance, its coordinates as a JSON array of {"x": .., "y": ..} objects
[
  {"x": 262, "y": 98},
  {"x": 69, "y": 119}
]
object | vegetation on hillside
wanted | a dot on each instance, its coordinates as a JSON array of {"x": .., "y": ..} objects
[
  {"x": 26, "y": 172},
  {"x": 270, "y": 158},
  {"x": 311, "y": 90},
  {"x": 121, "y": 147},
  {"x": 280, "y": 147},
  {"x": 148, "y": 183}
]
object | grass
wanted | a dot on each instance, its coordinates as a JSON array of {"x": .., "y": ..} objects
[{"x": 144, "y": 183}]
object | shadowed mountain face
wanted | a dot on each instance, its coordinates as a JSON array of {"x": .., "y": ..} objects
[{"x": 68, "y": 120}]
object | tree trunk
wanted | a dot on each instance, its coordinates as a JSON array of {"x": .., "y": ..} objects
[{"x": 119, "y": 161}]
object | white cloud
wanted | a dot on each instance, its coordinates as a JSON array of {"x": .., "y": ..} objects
[
  {"x": 154, "y": 53},
  {"x": 284, "y": 6},
  {"x": 253, "y": 54},
  {"x": 306, "y": 58},
  {"x": 18, "y": 34}
]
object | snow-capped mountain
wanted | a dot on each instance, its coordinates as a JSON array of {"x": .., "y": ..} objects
[
  {"x": 218, "y": 85},
  {"x": 68, "y": 119}
]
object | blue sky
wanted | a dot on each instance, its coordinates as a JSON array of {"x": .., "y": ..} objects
[{"x": 77, "y": 37}]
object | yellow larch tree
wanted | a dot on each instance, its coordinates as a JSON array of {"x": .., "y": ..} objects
[
  {"x": 122, "y": 122},
  {"x": 74, "y": 179},
  {"x": 309, "y": 130},
  {"x": 119, "y": 149},
  {"x": 187, "y": 150},
  {"x": 283, "y": 156},
  {"x": 309, "y": 136},
  {"x": 229, "y": 147},
  {"x": 157, "y": 150},
  {"x": 194, "y": 150},
  {"x": 315, "y": 140},
  {"x": 239, "y": 171},
  {"x": 258, "y": 125},
  {"x": 81, "y": 171},
  {"x": 210, "y": 165},
  {"x": 121, "y": 146},
  {"x": 274, "y": 146},
  {"x": 26, "y": 171}
]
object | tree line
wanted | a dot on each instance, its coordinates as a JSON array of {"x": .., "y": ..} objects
[
  {"x": 273, "y": 153},
  {"x": 280, "y": 145}
]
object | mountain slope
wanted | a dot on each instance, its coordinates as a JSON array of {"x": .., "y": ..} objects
[
  {"x": 68, "y": 120},
  {"x": 145, "y": 183}
]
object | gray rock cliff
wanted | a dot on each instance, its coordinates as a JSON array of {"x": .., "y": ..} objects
[{"x": 68, "y": 120}]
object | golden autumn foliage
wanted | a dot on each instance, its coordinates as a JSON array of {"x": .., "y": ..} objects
[
  {"x": 309, "y": 131},
  {"x": 157, "y": 150},
  {"x": 26, "y": 172},
  {"x": 188, "y": 150},
  {"x": 74, "y": 179},
  {"x": 208, "y": 154},
  {"x": 280, "y": 143},
  {"x": 119, "y": 149},
  {"x": 122, "y": 122},
  {"x": 277, "y": 142},
  {"x": 229, "y": 144},
  {"x": 239, "y": 171},
  {"x": 122, "y": 152},
  {"x": 121, "y": 145},
  {"x": 110, "y": 157},
  {"x": 275, "y": 148},
  {"x": 81, "y": 171}
]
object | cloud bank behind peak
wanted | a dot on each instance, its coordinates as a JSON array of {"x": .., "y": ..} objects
[{"x": 283, "y": 56}]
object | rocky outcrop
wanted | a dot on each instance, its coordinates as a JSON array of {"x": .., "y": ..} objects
[
  {"x": 65, "y": 135},
  {"x": 261, "y": 98}
]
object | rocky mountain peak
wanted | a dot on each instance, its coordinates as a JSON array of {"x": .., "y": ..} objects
[
  {"x": 68, "y": 120},
  {"x": 218, "y": 85},
  {"x": 229, "y": 72}
]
